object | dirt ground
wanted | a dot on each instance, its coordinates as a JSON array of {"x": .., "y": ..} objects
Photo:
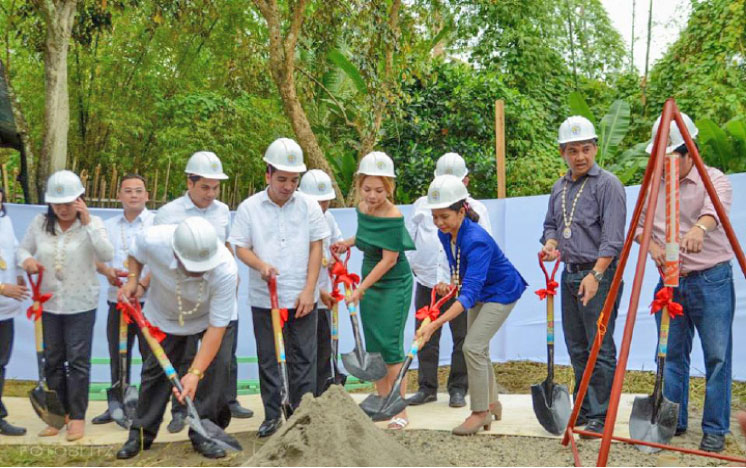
[{"x": 432, "y": 447}]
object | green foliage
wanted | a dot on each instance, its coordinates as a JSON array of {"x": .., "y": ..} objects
[{"x": 724, "y": 147}]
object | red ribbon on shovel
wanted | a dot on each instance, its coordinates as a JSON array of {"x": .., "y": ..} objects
[
  {"x": 36, "y": 308},
  {"x": 272, "y": 284},
  {"x": 552, "y": 285},
  {"x": 341, "y": 274},
  {"x": 433, "y": 310},
  {"x": 134, "y": 313},
  {"x": 664, "y": 298}
]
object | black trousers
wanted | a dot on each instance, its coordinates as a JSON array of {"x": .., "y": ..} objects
[
  {"x": 156, "y": 389},
  {"x": 6, "y": 345},
  {"x": 231, "y": 388},
  {"x": 112, "y": 335},
  {"x": 428, "y": 356},
  {"x": 67, "y": 352},
  {"x": 300, "y": 351}
]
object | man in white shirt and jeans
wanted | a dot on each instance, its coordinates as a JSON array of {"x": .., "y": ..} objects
[
  {"x": 279, "y": 232},
  {"x": 122, "y": 230},
  {"x": 204, "y": 173},
  {"x": 430, "y": 267},
  {"x": 191, "y": 297}
]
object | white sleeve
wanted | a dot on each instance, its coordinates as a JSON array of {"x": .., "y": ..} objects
[
  {"x": 484, "y": 216},
  {"x": 241, "y": 228},
  {"x": 444, "y": 272},
  {"x": 410, "y": 224},
  {"x": 318, "y": 228},
  {"x": 336, "y": 232},
  {"x": 102, "y": 248},
  {"x": 27, "y": 248},
  {"x": 223, "y": 301}
]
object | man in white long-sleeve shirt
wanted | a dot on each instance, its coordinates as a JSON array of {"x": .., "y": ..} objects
[{"x": 430, "y": 267}]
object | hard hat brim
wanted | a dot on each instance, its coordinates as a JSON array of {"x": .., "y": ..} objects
[
  {"x": 195, "y": 266},
  {"x": 281, "y": 167},
  {"x": 439, "y": 205},
  {"x": 220, "y": 176},
  {"x": 58, "y": 200},
  {"x": 376, "y": 174},
  {"x": 325, "y": 197},
  {"x": 466, "y": 173},
  {"x": 572, "y": 140}
]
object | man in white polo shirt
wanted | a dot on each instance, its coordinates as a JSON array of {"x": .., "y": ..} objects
[
  {"x": 430, "y": 267},
  {"x": 191, "y": 297},
  {"x": 204, "y": 172},
  {"x": 279, "y": 232},
  {"x": 122, "y": 229}
]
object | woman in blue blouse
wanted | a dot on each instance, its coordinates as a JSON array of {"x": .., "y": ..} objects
[{"x": 489, "y": 287}]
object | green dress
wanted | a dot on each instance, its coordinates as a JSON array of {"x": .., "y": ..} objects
[{"x": 385, "y": 305}]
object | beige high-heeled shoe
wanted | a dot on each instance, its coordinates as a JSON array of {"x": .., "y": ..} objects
[
  {"x": 496, "y": 409},
  {"x": 467, "y": 428},
  {"x": 75, "y": 430},
  {"x": 49, "y": 431}
]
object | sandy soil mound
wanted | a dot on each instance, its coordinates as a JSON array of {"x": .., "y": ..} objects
[{"x": 332, "y": 431}]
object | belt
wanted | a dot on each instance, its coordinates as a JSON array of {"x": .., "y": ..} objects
[
  {"x": 577, "y": 267},
  {"x": 689, "y": 274}
]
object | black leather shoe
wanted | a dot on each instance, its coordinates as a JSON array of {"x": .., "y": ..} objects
[
  {"x": 209, "y": 449},
  {"x": 680, "y": 431},
  {"x": 103, "y": 418},
  {"x": 269, "y": 427},
  {"x": 8, "y": 429},
  {"x": 238, "y": 411},
  {"x": 131, "y": 448},
  {"x": 177, "y": 423},
  {"x": 457, "y": 400},
  {"x": 421, "y": 397},
  {"x": 594, "y": 425},
  {"x": 712, "y": 443}
]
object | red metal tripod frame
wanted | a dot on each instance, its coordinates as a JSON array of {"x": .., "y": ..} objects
[{"x": 651, "y": 183}]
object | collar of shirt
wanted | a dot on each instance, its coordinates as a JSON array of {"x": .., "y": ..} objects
[
  {"x": 75, "y": 225},
  {"x": 189, "y": 204},
  {"x": 265, "y": 198},
  {"x": 140, "y": 218},
  {"x": 594, "y": 171}
]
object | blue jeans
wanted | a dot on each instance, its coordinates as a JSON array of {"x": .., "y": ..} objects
[
  {"x": 579, "y": 327},
  {"x": 708, "y": 298}
]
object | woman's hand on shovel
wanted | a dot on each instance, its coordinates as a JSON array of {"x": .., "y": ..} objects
[{"x": 425, "y": 333}]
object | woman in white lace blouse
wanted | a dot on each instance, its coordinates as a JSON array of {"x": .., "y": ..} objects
[{"x": 66, "y": 242}]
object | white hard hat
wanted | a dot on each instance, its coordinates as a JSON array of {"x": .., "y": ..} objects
[
  {"x": 196, "y": 244},
  {"x": 444, "y": 191},
  {"x": 63, "y": 187},
  {"x": 674, "y": 135},
  {"x": 451, "y": 163},
  {"x": 317, "y": 184},
  {"x": 576, "y": 128},
  {"x": 376, "y": 163},
  {"x": 205, "y": 164},
  {"x": 285, "y": 154}
]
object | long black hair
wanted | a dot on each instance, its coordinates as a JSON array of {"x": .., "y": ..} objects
[
  {"x": 50, "y": 218},
  {"x": 470, "y": 213}
]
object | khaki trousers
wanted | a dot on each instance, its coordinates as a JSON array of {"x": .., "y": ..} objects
[{"x": 484, "y": 320}]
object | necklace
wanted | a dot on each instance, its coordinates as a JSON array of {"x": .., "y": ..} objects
[
  {"x": 182, "y": 312},
  {"x": 567, "y": 232},
  {"x": 59, "y": 254},
  {"x": 455, "y": 277},
  {"x": 126, "y": 241}
]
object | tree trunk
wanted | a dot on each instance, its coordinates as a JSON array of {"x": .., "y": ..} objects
[
  {"x": 282, "y": 68},
  {"x": 28, "y": 169},
  {"x": 58, "y": 17}
]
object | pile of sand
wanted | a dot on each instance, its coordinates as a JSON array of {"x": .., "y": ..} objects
[{"x": 331, "y": 431}]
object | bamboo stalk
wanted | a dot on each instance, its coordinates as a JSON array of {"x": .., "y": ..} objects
[
  {"x": 234, "y": 202},
  {"x": 14, "y": 183},
  {"x": 96, "y": 176},
  {"x": 5, "y": 180},
  {"x": 102, "y": 193},
  {"x": 165, "y": 188},
  {"x": 155, "y": 189},
  {"x": 114, "y": 185}
]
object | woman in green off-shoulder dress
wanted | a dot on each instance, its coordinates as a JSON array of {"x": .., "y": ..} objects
[{"x": 385, "y": 293}]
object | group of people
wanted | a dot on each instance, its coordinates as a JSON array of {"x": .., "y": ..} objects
[{"x": 181, "y": 266}]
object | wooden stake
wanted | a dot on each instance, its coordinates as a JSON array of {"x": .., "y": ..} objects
[
  {"x": 155, "y": 189},
  {"x": 5, "y": 180},
  {"x": 500, "y": 146},
  {"x": 96, "y": 175},
  {"x": 102, "y": 193},
  {"x": 165, "y": 186}
]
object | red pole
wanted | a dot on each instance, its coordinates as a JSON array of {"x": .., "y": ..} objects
[
  {"x": 616, "y": 388},
  {"x": 719, "y": 208},
  {"x": 610, "y": 299}
]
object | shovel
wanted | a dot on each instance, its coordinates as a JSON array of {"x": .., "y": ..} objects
[
  {"x": 337, "y": 378},
  {"x": 278, "y": 321},
  {"x": 654, "y": 417},
  {"x": 204, "y": 427},
  {"x": 361, "y": 364},
  {"x": 45, "y": 402},
  {"x": 551, "y": 401},
  {"x": 381, "y": 409},
  {"x": 121, "y": 396}
]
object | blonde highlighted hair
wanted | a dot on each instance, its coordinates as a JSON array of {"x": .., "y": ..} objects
[{"x": 389, "y": 184}]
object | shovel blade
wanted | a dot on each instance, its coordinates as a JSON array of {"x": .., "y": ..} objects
[
  {"x": 47, "y": 405},
  {"x": 211, "y": 431},
  {"x": 116, "y": 409},
  {"x": 392, "y": 405},
  {"x": 551, "y": 409},
  {"x": 131, "y": 396},
  {"x": 646, "y": 427},
  {"x": 363, "y": 365},
  {"x": 371, "y": 405}
]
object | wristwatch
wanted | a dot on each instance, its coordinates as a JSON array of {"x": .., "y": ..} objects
[
  {"x": 197, "y": 372},
  {"x": 598, "y": 275}
]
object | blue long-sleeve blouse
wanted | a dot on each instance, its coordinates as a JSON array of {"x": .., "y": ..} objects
[{"x": 486, "y": 273}]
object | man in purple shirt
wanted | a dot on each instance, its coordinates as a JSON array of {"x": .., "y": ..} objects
[
  {"x": 705, "y": 291},
  {"x": 585, "y": 222}
]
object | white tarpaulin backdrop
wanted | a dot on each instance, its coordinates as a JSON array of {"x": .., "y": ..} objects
[{"x": 517, "y": 224}]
